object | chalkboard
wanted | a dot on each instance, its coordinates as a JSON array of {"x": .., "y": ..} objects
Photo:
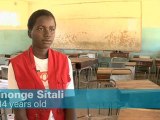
[
  {"x": 110, "y": 33},
  {"x": 98, "y": 25}
]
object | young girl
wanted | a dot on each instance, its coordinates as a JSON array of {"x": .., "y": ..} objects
[{"x": 40, "y": 67}]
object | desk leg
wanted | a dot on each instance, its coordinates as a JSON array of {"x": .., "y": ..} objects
[
  {"x": 3, "y": 114},
  {"x": 89, "y": 76},
  {"x": 157, "y": 74},
  {"x": 79, "y": 73},
  {"x": 149, "y": 70},
  {"x": 75, "y": 77},
  {"x": 90, "y": 70}
]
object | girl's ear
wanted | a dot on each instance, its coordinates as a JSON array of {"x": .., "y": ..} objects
[{"x": 29, "y": 33}]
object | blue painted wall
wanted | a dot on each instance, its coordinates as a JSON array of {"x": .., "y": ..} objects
[
  {"x": 151, "y": 39},
  {"x": 12, "y": 41},
  {"x": 150, "y": 42}
]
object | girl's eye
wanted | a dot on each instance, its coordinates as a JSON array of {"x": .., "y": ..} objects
[
  {"x": 52, "y": 29},
  {"x": 40, "y": 29}
]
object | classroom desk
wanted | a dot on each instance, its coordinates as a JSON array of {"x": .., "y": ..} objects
[
  {"x": 132, "y": 64},
  {"x": 119, "y": 54},
  {"x": 83, "y": 64},
  {"x": 136, "y": 84},
  {"x": 74, "y": 55},
  {"x": 157, "y": 61},
  {"x": 104, "y": 72},
  {"x": 4, "y": 71},
  {"x": 143, "y": 62},
  {"x": 138, "y": 94},
  {"x": 139, "y": 114}
]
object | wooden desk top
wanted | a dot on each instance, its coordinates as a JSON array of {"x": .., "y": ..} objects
[
  {"x": 83, "y": 62},
  {"x": 139, "y": 114},
  {"x": 146, "y": 62},
  {"x": 136, "y": 84},
  {"x": 157, "y": 61},
  {"x": 75, "y": 60},
  {"x": 128, "y": 63},
  {"x": 119, "y": 54},
  {"x": 141, "y": 60},
  {"x": 103, "y": 71},
  {"x": 75, "y": 55}
]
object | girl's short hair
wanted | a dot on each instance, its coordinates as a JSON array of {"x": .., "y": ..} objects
[{"x": 35, "y": 15}]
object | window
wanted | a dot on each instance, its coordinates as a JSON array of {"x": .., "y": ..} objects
[{"x": 9, "y": 19}]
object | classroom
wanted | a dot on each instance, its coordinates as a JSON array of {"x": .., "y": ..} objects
[{"x": 109, "y": 44}]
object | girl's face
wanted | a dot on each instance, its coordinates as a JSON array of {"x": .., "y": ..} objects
[{"x": 43, "y": 32}]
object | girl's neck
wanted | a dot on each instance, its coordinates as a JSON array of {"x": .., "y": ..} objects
[{"x": 40, "y": 53}]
